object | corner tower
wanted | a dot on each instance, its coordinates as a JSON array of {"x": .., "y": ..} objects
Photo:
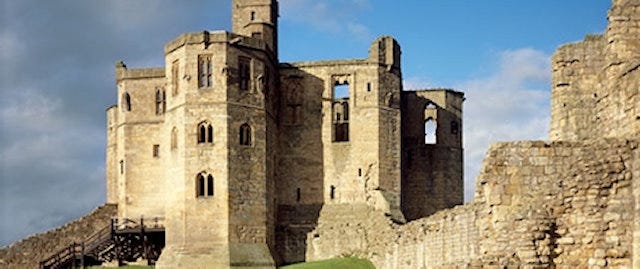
[{"x": 257, "y": 19}]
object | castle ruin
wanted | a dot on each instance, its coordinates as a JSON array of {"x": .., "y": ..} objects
[
  {"x": 241, "y": 153},
  {"x": 255, "y": 163}
]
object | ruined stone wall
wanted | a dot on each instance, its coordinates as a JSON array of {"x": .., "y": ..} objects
[
  {"x": 596, "y": 81},
  {"x": 431, "y": 173},
  {"x": 448, "y": 238},
  {"x": 576, "y": 89},
  {"x": 563, "y": 204},
  {"x": 28, "y": 252},
  {"x": 572, "y": 200},
  {"x": 619, "y": 110}
]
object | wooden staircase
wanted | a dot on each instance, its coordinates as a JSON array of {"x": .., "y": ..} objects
[{"x": 124, "y": 240}]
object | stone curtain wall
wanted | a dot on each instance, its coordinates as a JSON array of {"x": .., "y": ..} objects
[
  {"x": 562, "y": 204},
  {"x": 29, "y": 252},
  {"x": 596, "y": 82},
  {"x": 576, "y": 90},
  {"x": 447, "y": 239},
  {"x": 538, "y": 205}
]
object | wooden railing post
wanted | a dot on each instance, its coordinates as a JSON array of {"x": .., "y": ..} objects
[{"x": 82, "y": 255}]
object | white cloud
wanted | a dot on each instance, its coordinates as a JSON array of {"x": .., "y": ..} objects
[
  {"x": 334, "y": 16},
  {"x": 511, "y": 103},
  {"x": 42, "y": 154}
]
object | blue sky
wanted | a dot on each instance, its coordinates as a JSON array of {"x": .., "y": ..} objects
[{"x": 57, "y": 60}]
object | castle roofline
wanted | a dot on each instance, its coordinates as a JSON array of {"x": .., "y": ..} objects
[
  {"x": 122, "y": 72},
  {"x": 460, "y": 93},
  {"x": 325, "y": 63},
  {"x": 209, "y": 37}
]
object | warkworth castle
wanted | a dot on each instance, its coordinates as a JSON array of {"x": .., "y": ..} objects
[
  {"x": 241, "y": 153},
  {"x": 235, "y": 160}
]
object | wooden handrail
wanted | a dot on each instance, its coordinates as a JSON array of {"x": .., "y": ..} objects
[{"x": 97, "y": 238}]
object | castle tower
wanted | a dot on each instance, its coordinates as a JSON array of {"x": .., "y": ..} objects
[
  {"x": 432, "y": 157},
  {"x": 219, "y": 124},
  {"x": 257, "y": 19}
]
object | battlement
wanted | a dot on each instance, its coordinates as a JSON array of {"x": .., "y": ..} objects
[{"x": 122, "y": 72}]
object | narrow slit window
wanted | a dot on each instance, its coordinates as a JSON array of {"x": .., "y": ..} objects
[
  {"x": 210, "y": 134},
  {"x": 244, "y": 73},
  {"x": 340, "y": 112},
  {"x": 161, "y": 102},
  {"x": 174, "y": 138},
  {"x": 126, "y": 98},
  {"x": 298, "y": 195},
  {"x": 200, "y": 186},
  {"x": 245, "y": 135},
  {"x": 332, "y": 193},
  {"x": 210, "y": 185},
  {"x": 201, "y": 134},
  {"x": 205, "y": 71},
  {"x": 121, "y": 167},
  {"x": 174, "y": 77},
  {"x": 156, "y": 151}
]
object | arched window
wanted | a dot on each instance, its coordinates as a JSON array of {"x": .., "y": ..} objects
[
  {"x": 205, "y": 133},
  {"x": 245, "y": 135},
  {"x": 210, "y": 185},
  {"x": 430, "y": 128},
  {"x": 201, "y": 133},
  {"x": 430, "y": 106},
  {"x": 126, "y": 98},
  {"x": 204, "y": 185},
  {"x": 174, "y": 138},
  {"x": 161, "y": 102},
  {"x": 430, "y": 123},
  {"x": 200, "y": 186}
]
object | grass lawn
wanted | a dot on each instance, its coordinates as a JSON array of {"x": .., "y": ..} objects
[
  {"x": 125, "y": 267},
  {"x": 338, "y": 263}
]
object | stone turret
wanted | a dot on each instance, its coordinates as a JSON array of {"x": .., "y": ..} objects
[{"x": 257, "y": 19}]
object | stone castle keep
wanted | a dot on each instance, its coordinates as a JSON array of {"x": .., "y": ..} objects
[
  {"x": 253, "y": 163},
  {"x": 240, "y": 153}
]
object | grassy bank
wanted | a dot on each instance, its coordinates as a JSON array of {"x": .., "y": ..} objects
[{"x": 339, "y": 263}]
